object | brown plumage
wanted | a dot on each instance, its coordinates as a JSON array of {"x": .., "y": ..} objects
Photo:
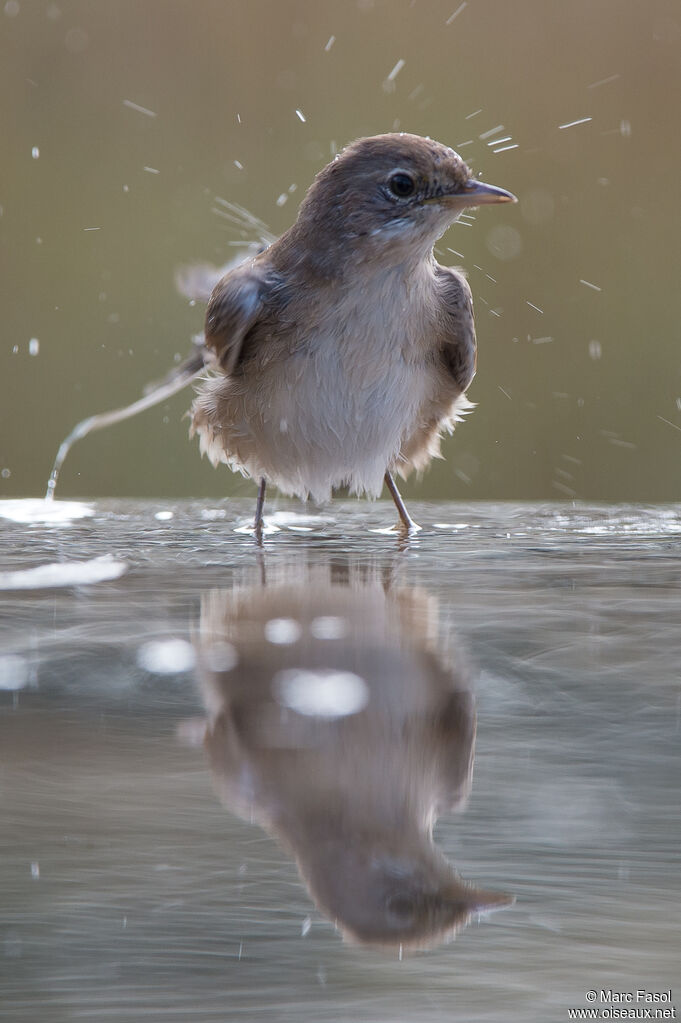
[
  {"x": 344, "y": 350},
  {"x": 339, "y": 722}
]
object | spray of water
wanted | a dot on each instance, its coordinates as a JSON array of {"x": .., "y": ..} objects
[{"x": 176, "y": 380}]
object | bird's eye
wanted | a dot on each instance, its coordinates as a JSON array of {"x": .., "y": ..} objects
[
  {"x": 402, "y": 185},
  {"x": 401, "y": 909}
]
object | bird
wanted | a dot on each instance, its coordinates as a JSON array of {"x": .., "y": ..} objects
[
  {"x": 336, "y": 355},
  {"x": 341, "y": 722},
  {"x": 339, "y": 354}
]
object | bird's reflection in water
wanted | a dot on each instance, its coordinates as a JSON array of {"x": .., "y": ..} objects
[{"x": 337, "y": 722}]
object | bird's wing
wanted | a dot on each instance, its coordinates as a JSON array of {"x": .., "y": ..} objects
[
  {"x": 197, "y": 281},
  {"x": 235, "y": 306},
  {"x": 456, "y": 325},
  {"x": 454, "y": 738}
]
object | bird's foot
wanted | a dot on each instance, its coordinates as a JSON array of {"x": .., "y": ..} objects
[
  {"x": 400, "y": 529},
  {"x": 257, "y": 531}
]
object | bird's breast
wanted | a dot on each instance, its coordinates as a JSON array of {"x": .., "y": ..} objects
[
  {"x": 331, "y": 400},
  {"x": 352, "y": 392}
]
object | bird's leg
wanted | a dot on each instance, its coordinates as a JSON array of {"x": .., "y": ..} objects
[
  {"x": 410, "y": 527},
  {"x": 259, "y": 505}
]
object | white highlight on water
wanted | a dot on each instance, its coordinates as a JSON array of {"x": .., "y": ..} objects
[
  {"x": 166, "y": 656},
  {"x": 290, "y": 519},
  {"x": 283, "y": 631},
  {"x": 14, "y": 672},
  {"x": 33, "y": 511},
  {"x": 63, "y": 573},
  {"x": 212, "y": 514},
  {"x": 322, "y": 692}
]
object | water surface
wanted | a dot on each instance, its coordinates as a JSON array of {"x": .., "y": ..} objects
[{"x": 129, "y": 891}]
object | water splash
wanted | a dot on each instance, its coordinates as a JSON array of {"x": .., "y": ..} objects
[
  {"x": 176, "y": 381},
  {"x": 36, "y": 511}
]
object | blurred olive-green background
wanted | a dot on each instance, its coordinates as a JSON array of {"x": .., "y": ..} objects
[{"x": 576, "y": 289}]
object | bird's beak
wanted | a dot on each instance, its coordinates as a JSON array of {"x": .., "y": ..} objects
[
  {"x": 464, "y": 900},
  {"x": 477, "y": 193}
]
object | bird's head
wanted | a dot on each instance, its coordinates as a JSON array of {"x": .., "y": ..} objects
[
  {"x": 408, "y": 895},
  {"x": 391, "y": 191}
]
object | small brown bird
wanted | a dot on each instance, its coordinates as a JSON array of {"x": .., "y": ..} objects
[
  {"x": 340, "y": 353},
  {"x": 343, "y": 350},
  {"x": 341, "y": 722}
]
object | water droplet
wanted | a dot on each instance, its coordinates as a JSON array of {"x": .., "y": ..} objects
[
  {"x": 166, "y": 656},
  {"x": 323, "y": 692},
  {"x": 282, "y": 631},
  {"x": 504, "y": 242}
]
